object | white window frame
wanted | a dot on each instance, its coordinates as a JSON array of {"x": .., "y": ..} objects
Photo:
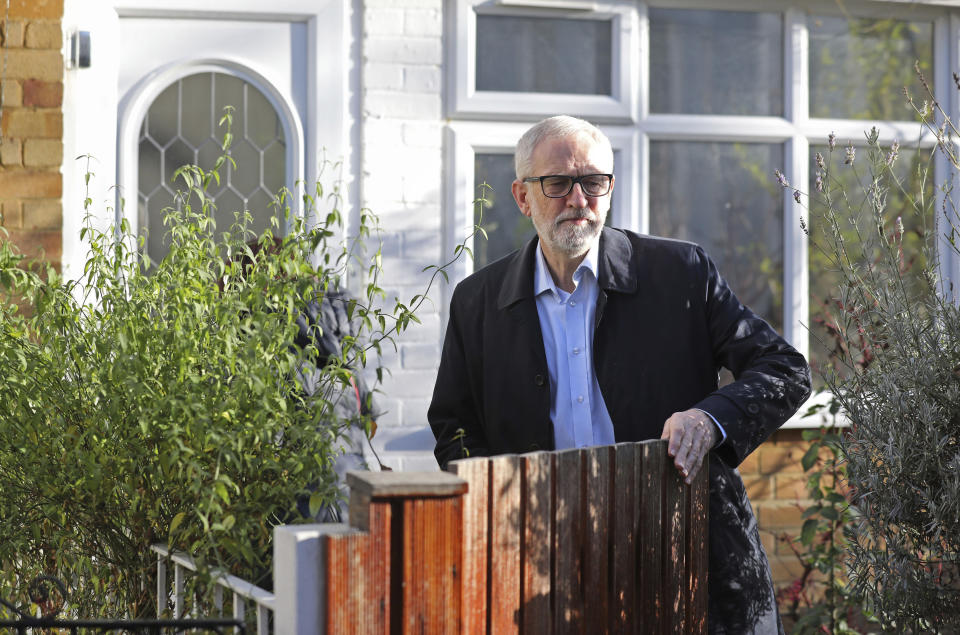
[
  {"x": 466, "y": 101},
  {"x": 795, "y": 129}
]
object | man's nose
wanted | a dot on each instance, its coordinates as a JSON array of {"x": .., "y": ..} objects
[{"x": 577, "y": 197}]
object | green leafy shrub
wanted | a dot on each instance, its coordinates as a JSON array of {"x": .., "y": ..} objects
[{"x": 161, "y": 403}]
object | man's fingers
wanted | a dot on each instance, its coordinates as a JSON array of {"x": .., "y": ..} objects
[{"x": 690, "y": 438}]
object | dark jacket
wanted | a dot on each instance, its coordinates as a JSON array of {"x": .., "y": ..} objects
[{"x": 666, "y": 321}]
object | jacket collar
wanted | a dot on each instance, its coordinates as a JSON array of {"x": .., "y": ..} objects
[{"x": 615, "y": 264}]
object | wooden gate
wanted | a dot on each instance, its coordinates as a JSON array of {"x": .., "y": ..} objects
[{"x": 604, "y": 539}]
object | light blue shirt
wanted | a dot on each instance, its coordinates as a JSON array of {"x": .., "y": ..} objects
[
  {"x": 577, "y": 409},
  {"x": 579, "y": 415}
]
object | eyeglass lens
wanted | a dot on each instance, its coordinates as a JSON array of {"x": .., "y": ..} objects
[{"x": 592, "y": 184}]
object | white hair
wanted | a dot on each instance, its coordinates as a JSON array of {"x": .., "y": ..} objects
[{"x": 560, "y": 126}]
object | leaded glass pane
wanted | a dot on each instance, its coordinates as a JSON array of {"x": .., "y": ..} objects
[
  {"x": 859, "y": 225},
  {"x": 544, "y": 55},
  {"x": 720, "y": 195},
  {"x": 181, "y": 127},
  {"x": 859, "y": 66},
  {"x": 716, "y": 62}
]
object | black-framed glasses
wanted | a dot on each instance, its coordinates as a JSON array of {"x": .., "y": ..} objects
[{"x": 559, "y": 185}]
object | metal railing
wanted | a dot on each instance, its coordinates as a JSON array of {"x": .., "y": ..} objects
[{"x": 244, "y": 592}]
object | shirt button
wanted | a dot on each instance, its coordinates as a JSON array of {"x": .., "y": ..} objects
[
  {"x": 573, "y": 303},
  {"x": 580, "y": 399},
  {"x": 576, "y": 351}
]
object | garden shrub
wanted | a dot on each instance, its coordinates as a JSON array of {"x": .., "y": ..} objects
[{"x": 159, "y": 402}]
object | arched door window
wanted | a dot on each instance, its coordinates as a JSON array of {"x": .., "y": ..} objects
[{"x": 181, "y": 127}]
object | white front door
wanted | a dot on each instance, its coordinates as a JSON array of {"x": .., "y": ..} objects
[{"x": 281, "y": 64}]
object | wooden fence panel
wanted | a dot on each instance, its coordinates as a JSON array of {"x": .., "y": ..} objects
[
  {"x": 674, "y": 547},
  {"x": 431, "y": 555},
  {"x": 598, "y": 520},
  {"x": 605, "y": 539},
  {"x": 538, "y": 483},
  {"x": 476, "y": 472},
  {"x": 650, "y": 597},
  {"x": 698, "y": 549},
  {"x": 568, "y": 543},
  {"x": 628, "y": 459},
  {"x": 505, "y": 527}
]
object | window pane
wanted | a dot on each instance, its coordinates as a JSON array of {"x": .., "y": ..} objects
[
  {"x": 858, "y": 67},
  {"x": 507, "y": 229},
  {"x": 544, "y": 55},
  {"x": 180, "y": 127},
  {"x": 720, "y": 196},
  {"x": 855, "y": 216},
  {"x": 716, "y": 62}
]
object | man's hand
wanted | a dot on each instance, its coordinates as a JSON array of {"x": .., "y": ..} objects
[{"x": 691, "y": 435}]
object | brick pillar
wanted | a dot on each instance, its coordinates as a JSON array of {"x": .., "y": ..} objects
[{"x": 32, "y": 127}]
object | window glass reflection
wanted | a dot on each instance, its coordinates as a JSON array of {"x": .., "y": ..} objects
[
  {"x": 716, "y": 62},
  {"x": 544, "y": 55},
  {"x": 720, "y": 195},
  {"x": 859, "y": 66},
  {"x": 859, "y": 225},
  {"x": 507, "y": 229}
]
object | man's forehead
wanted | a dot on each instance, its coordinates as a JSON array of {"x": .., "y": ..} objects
[{"x": 576, "y": 149}]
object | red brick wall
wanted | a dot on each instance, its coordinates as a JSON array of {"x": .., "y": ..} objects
[{"x": 32, "y": 126}]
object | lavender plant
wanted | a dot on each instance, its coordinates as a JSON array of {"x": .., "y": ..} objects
[{"x": 896, "y": 375}]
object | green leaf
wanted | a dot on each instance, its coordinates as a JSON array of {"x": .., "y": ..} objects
[
  {"x": 830, "y": 513},
  {"x": 177, "y": 520},
  {"x": 810, "y": 457},
  {"x": 809, "y": 531}
]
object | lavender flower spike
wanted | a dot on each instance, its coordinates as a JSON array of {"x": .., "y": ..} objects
[
  {"x": 894, "y": 152},
  {"x": 781, "y": 179},
  {"x": 796, "y": 195},
  {"x": 851, "y": 154},
  {"x": 832, "y": 140}
]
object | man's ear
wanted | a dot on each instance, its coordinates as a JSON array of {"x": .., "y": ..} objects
[{"x": 520, "y": 193}]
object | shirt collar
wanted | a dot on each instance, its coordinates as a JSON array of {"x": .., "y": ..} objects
[{"x": 543, "y": 281}]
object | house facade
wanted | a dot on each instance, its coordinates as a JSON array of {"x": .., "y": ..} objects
[{"x": 418, "y": 102}]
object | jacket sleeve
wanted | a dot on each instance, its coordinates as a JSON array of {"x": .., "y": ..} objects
[
  {"x": 455, "y": 414},
  {"x": 771, "y": 378}
]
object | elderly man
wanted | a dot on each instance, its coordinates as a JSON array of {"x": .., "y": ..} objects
[{"x": 590, "y": 335}]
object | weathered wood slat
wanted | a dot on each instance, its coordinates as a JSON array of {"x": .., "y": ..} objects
[
  {"x": 538, "y": 528},
  {"x": 505, "y": 523},
  {"x": 346, "y": 582},
  {"x": 674, "y": 543},
  {"x": 377, "y": 568},
  {"x": 626, "y": 525},
  {"x": 476, "y": 472},
  {"x": 650, "y": 601},
  {"x": 568, "y": 543},
  {"x": 698, "y": 549},
  {"x": 597, "y": 522}
]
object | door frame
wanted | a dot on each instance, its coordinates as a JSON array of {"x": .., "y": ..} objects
[{"x": 92, "y": 105}]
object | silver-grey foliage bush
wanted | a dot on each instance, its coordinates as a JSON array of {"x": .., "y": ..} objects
[{"x": 897, "y": 378}]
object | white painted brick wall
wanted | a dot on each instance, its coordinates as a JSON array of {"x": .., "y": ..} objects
[{"x": 402, "y": 182}]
